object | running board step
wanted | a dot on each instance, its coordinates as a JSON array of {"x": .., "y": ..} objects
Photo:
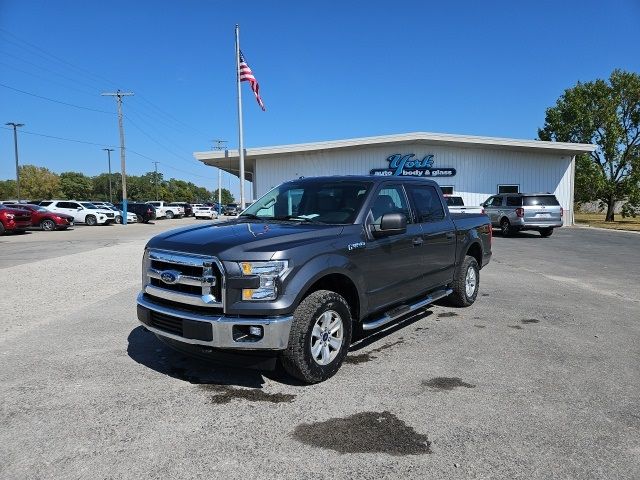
[{"x": 402, "y": 310}]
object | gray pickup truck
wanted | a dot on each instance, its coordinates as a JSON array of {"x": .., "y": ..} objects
[{"x": 308, "y": 265}]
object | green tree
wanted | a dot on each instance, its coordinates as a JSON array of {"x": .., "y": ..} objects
[
  {"x": 38, "y": 183},
  {"x": 7, "y": 189},
  {"x": 606, "y": 113},
  {"x": 101, "y": 187},
  {"x": 76, "y": 185},
  {"x": 227, "y": 197}
]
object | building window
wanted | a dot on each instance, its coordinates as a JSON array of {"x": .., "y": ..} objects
[
  {"x": 446, "y": 189},
  {"x": 508, "y": 188}
]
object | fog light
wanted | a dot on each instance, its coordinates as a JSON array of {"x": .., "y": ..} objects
[{"x": 255, "y": 331}]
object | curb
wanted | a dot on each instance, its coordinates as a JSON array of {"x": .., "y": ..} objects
[{"x": 589, "y": 227}]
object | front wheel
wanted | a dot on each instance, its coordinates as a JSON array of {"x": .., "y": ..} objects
[
  {"x": 170, "y": 215},
  {"x": 505, "y": 227},
  {"x": 91, "y": 220},
  {"x": 320, "y": 337},
  {"x": 47, "y": 225},
  {"x": 546, "y": 232},
  {"x": 466, "y": 283}
]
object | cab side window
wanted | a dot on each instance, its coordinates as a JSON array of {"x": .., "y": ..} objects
[
  {"x": 390, "y": 199},
  {"x": 427, "y": 203}
]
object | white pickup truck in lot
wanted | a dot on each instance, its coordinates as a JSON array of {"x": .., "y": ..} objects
[
  {"x": 456, "y": 205},
  {"x": 164, "y": 209}
]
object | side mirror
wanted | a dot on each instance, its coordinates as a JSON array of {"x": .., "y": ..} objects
[{"x": 391, "y": 224}]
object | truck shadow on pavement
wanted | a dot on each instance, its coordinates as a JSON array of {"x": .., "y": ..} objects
[{"x": 146, "y": 349}]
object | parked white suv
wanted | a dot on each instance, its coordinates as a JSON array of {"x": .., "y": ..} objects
[
  {"x": 82, "y": 212},
  {"x": 164, "y": 209}
]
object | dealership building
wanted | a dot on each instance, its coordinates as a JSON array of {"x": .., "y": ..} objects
[{"x": 470, "y": 166}]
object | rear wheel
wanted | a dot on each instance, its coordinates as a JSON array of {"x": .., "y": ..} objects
[
  {"x": 505, "y": 227},
  {"x": 91, "y": 220},
  {"x": 48, "y": 225},
  {"x": 546, "y": 232},
  {"x": 170, "y": 215},
  {"x": 319, "y": 338},
  {"x": 118, "y": 219},
  {"x": 466, "y": 283}
]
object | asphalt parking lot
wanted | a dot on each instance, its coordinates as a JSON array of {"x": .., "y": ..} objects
[{"x": 540, "y": 378}]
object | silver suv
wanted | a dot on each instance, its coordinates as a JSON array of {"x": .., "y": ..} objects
[{"x": 524, "y": 211}]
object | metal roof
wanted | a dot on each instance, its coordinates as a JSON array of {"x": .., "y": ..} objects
[{"x": 444, "y": 139}]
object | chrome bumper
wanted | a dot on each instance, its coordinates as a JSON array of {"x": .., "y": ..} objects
[{"x": 275, "y": 329}]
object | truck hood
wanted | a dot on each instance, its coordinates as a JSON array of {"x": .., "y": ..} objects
[{"x": 242, "y": 240}]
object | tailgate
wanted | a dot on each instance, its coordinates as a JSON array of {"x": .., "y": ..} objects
[{"x": 542, "y": 209}]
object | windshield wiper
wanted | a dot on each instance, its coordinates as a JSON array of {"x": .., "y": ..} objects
[
  {"x": 295, "y": 218},
  {"x": 251, "y": 216}
]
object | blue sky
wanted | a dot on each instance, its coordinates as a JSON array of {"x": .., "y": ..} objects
[{"x": 327, "y": 70}]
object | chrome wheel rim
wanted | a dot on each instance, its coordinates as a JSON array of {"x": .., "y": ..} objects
[
  {"x": 48, "y": 225},
  {"x": 505, "y": 227},
  {"x": 326, "y": 337},
  {"x": 470, "y": 281}
]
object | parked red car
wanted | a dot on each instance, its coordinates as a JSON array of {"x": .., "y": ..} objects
[
  {"x": 14, "y": 220},
  {"x": 45, "y": 219}
]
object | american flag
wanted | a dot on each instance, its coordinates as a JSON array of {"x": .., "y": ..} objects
[{"x": 246, "y": 75}]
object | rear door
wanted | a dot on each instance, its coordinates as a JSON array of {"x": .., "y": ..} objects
[
  {"x": 542, "y": 209},
  {"x": 438, "y": 235},
  {"x": 394, "y": 263}
]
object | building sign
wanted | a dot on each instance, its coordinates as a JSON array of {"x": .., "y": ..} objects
[{"x": 409, "y": 166}]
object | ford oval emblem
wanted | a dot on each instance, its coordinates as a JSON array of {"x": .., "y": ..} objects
[{"x": 169, "y": 276}]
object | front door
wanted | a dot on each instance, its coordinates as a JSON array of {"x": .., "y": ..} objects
[
  {"x": 493, "y": 208},
  {"x": 393, "y": 266},
  {"x": 438, "y": 233}
]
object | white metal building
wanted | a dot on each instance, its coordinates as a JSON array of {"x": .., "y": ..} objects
[{"x": 470, "y": 166}]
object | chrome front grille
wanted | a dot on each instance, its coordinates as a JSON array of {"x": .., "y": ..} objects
[{"x": 183, "y": 278}]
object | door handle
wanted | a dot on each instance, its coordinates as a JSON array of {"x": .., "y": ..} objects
[
  {"x": 417, "y": 241},
  {"x": 449, "y": 235}
]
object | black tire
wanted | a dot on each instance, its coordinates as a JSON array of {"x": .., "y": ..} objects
[
  {"x": 546, "y": 232},
  {"x": 140, "y": 219},
  {"x": 1, "y": 229},
  {"x": 91, "y": 220},
  {"x": 505, "y": 227},
  {"x": 459, "y": 297},
  {"x": 118, "y": 219},
  {"x": 48, "y": 225},
  {"x": 170, "y": 215},
  {"x": 297, "y": 359}
]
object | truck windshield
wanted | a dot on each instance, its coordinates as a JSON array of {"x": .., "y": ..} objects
[{"x": 317, "y": 202}]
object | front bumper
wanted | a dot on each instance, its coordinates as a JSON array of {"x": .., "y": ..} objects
[{"x": 216, "y": 331}]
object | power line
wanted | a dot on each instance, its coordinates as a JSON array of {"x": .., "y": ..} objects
[
  {"x": 44, "y": 54},
  {"x": 134, "y": 152},
  {"x": 55, "y": 101},
  {"x": 61, "y": 138}
]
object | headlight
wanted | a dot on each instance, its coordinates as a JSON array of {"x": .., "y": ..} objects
[
  {"x": 9, "y": 216},
  {"x": 268, "y": 273},
  {"x": 145, "y": 266}
]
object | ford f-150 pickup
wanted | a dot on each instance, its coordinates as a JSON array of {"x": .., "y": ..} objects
[{"x": 310, "y": 264}]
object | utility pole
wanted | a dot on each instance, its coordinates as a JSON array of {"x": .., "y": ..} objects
[
  {"x": 109, "y": 150},
  {"x": 220, "y": 145},
  {"x": 156, "y": 179},
  {"x": 15, "y": 146},
  {"x": 118, "y": 94}
]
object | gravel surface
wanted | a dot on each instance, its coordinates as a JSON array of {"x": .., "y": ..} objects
[{"x": 539, "y": 379}]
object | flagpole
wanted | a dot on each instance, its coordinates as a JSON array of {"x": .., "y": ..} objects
[{"x": 240, "y": 132}]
